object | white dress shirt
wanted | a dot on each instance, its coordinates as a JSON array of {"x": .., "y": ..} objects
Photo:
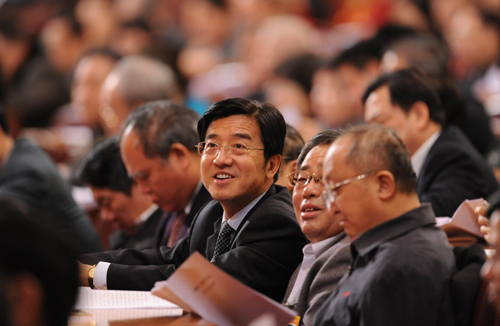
[{"x": 418, "y": 158}]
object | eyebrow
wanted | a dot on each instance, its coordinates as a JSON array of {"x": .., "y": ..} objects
[{"x": 237, "y": 135}]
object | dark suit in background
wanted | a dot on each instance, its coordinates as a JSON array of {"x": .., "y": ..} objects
[
  {"x": 452, "y": 172},
  {"x": 142, "y": 238},
  {"x": 321, "y": 280},
  {"x": 265, "y": 250},
  {"x": 162, "y": 232},
  {"x": 31, "y": 177}
]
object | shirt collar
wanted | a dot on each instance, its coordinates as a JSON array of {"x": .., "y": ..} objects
[
  {"x": 418, "y": 158},
  {"x": 319, "y": 248},
  {"x": 373, "y": 238},
  {"x": 235, "y": 221},
  {"x": 146, "y": 214},
  {"x": 189, "y": 205}
]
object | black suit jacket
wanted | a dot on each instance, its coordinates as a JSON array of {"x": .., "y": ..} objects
[
  {"x": 31, "y": 177},
  {"x": 265, "y": 250},
  {"x": 161, "y": 236},
  {"x": 143, "y": 236},
  {"x": 452, "y": 172}
]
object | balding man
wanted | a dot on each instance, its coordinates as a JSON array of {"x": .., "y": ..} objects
[
  {"x": 402, "y": 261},
  {"x": 134, "y": 81}
]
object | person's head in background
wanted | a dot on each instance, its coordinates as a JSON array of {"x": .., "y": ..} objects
[
  {"x": 404, "y": 101},
  {"x": 431, "y": 55},
  {"x": 291, "y": 150},
  {"x": 474, "y": 39},
  {"x": 290, "y": 84},
  {"x": 339, "y": 85},
  {"x": 288, "y": 89},
  {"x": 63, "y": 41},
  {"x": 314, "y": 219},
  {"x": 157, "y": 146},
  {"x": 276, "y": 39},
  {"x": 40, "y": 271},
  {"x": 88, "y": 77},
  {"x": 114, "y": 191},
  {"x": 135, "y": 80}
]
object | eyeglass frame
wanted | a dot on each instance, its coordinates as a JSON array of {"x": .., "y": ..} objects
[
  {"x": 330, "y": 191},
  {"x": 311, "y": 176},
  {"x": 227, "y": 147}
]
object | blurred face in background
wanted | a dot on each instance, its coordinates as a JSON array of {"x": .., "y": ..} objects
[{"x": 88, "y": 78}]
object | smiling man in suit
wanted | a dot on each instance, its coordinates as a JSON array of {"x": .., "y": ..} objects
[
  {"x": 327, "y": 257},
  {"x": 249, "y": 230},
  {"x": 448, "y": 167}
]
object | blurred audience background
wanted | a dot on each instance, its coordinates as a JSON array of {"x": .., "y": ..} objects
[{"x": 72, "y": 70}]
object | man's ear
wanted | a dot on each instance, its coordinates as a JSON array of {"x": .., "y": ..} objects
[
  {"x": 179, "y": 155},
  {"x": 386, "y": 184},
  {"x": 272, "y": 166},
  {"x": 420, "y": 113}
]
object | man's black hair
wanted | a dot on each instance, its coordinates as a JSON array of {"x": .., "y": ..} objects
[
  {"x": 406, "y": 87},
  {"x": 300, "y": 69},
  {"x": 103, "y": 167},
  {"x": 326, "y": 137}
]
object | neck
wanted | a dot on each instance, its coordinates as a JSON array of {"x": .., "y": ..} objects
[
  {"x": 234, "y": 206},
  {"x": 424, "y": 134},
  {"x": 401, "y": 204}
]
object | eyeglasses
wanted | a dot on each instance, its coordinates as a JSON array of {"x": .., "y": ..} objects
[
  {"x": 209, "y": 148},
  {"x": 330, "y": 191},
  {"x": 302, "y": 178}
]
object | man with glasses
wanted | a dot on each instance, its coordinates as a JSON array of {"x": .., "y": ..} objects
[
  {"x": 249, "y": 230},
  {"x": 402, "y": 262},
  {"x": 327, "y": 257},
  {"x": 449, "y": 168}
]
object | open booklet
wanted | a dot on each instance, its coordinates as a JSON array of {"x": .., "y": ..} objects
[
  {"x": 462, "y": 228},
  {"x": 200, "y": 287},
  {"x": 102, "y": 306}
]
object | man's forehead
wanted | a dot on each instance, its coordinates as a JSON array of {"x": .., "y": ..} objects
[{"x": 235, "y": 126}]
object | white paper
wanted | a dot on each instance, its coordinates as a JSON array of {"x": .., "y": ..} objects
[{"x": 114, "y": 299}]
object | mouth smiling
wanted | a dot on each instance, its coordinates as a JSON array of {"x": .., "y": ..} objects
[
  {"x": 310, "y": 211},
  {"x": 223, "y": 176}
]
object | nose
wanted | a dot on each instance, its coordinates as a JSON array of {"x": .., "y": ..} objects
[
  {"x": 312, "y": 189},
  {"x": 222, "y": 157},
  {"x": 107, "y": 215},
  {"x": 143, "y": 186}
]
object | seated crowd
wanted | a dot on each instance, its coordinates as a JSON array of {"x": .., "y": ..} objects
[{"x": 316, "y": 182}]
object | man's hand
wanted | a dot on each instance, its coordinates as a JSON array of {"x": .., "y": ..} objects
[
  {"x": 84, "y": 272},
  {"x": 483, "y": 221}
]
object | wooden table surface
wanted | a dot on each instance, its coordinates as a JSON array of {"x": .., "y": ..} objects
[{"x": 85, "y": 319}]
